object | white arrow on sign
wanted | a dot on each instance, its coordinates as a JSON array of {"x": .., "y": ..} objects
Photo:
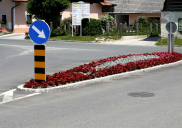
[{"x": 41, "y": 33}]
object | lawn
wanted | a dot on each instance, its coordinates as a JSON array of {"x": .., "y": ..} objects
[
  {"x": 77, "y": 38},
  {"x": 164, "y": 41}
]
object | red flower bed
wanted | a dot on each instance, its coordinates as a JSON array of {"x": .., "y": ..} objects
[{"x": 87, "y": 71}]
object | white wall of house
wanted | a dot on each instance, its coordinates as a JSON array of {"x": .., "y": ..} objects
[{"x": 167, "y": 16}]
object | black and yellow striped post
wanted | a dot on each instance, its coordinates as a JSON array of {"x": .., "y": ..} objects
[{"x": 39, "y": 62}]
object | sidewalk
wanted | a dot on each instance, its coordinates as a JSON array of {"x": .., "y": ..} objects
[
  {"x": 138, "y": 42},
  {"x": 13, "y": 36}
]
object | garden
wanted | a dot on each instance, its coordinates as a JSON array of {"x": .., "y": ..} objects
[{"x": 105, "y": 67}]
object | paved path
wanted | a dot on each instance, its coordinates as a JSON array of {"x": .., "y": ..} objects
[
  {"x": 13, "y": 36},
  {"x": 139, "y": 42}
]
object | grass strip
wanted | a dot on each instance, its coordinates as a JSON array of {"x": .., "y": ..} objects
[{"x": 164, "y": 41}]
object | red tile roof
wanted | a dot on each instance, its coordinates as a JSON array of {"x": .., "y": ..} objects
[
  {"x": 20, "y": 0},
  {"x": 105, "y": 3}
]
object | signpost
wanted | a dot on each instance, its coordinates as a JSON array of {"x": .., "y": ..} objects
[
  {"x": 39, "y": 33},
  {"x": 80, "y": 10},
  {"x": 171, "y": 28}
]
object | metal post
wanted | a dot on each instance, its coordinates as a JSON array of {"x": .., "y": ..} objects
[
  {"x": 172, "y": 43},
  {"x": 51, "y": 26},
  {"x": 80, "y": 30},
  {"x": 170, "y": 39},
  {"x": 72, "y": 30},
  {"x": 150, "y": 30},
  {"x": 68, "y": 26},
  {"x": 64, "y": 26},
  {"x": 107, "y": 27},
  {"x": 121, "y": 29},
  {"x": 136, "y": 28},
  {"x": 39, "y": 63},
  {"x": 156, "y": 27}
]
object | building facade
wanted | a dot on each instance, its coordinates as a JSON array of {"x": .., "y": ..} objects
[
  {"x": 14, "y": 13},
  {"x": 130, "y": 10},
  {"x": 172, "y": 13}
]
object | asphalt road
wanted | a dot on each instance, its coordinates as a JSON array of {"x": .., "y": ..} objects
[{"x": 108, "y": 104}]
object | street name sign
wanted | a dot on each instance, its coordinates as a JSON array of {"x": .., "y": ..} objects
[{"x": 39, "y": 32}]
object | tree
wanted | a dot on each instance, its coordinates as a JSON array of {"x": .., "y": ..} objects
[{"x": 48, "y": 10}]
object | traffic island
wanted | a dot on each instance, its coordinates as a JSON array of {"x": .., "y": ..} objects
[{"x": 103, "y": 70}]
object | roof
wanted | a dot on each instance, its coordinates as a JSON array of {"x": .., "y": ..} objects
[
  {"x": 20, "y": 0},
  {"x": 172, "y": 5},
  {"x": 90, "y": 1},
  {"x": 137, "y": 6},
  {"x": 105, "y": 3}
]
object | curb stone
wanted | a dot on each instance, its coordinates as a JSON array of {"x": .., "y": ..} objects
[{"x": 96, "y": 80}]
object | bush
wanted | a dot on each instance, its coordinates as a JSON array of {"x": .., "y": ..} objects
[
  {"x": 66, "y": 20},
  {"x": 106, "y": 19},
  {"x": 93, "y": 28}
]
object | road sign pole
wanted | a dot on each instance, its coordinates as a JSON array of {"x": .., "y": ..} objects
[
  {"x": 171, "y": 27},
  {"x": 169, "y": 37},
  {"x": 39, "y": 63},
  {"x": 39, "y": 32}
]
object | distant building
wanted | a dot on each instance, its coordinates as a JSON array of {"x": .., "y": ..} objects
[
  {"x": 15, "y": 17},
  {"x": 172, "y": 12},
  {"x": 130, "y": 10}
]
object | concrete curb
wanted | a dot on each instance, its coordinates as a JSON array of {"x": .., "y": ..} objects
[{"x": 96, "y": 80}]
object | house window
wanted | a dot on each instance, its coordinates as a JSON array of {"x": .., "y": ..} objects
[
  {"x": 28, "y": 19},
  {"x": 0, "y": 0},
  {"x": 3, "y": 19}
]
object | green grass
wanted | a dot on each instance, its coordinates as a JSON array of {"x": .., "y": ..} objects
[
  {"x": 77, "y": 38},
  {"x": 5, "y": 33},
  {"x": 165, "y": 40}
]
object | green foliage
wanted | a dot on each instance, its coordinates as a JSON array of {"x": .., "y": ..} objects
[
  {"x": 143, "y": 26},
  {"x": 92, "y": 28},
  {"x": 29, "y": 21},
  {"x": 114, "y": 34},
  {"x": 3, "y": 22},
  {"x": 48, "y": 10},
  {"x": 59, "y": 32},
  {"x": 106, "y": 19},
  {"x": 66, "y": 20},
  {"x": 177, "y": 41}
]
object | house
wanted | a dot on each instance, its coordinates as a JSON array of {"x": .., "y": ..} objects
[
  {"x": 130, "y": 10},
  {"x": 172, "y": 13},
  {"x": 14, "y": 15}
]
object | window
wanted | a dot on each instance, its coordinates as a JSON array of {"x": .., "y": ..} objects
[
  {"x": 0, "y": 0},
  {"x": 28, "y": 19},
  {"x": 3, "y": 19}
]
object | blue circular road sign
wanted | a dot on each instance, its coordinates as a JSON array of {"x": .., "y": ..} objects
[{"x": 39, "y": 32}]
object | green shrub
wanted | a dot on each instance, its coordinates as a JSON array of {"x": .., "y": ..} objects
[
  {"x": 66, "y": 20},
  {"x": 106, "y": 19},
  {"x": 114, "y": 32},
  {"x": 93, "y": 28}
]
